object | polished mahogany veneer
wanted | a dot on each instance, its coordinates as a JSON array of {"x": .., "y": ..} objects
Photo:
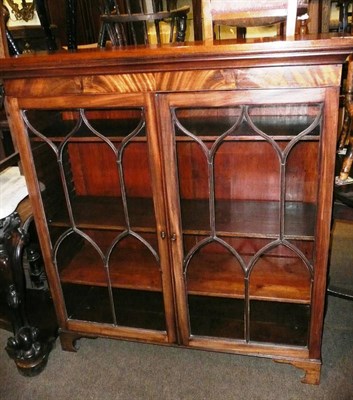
[{"x": 182, "y": 194}]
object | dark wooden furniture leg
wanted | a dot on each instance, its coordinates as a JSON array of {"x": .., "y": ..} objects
[
  {"x": 196, "y": 11},
  {"x": 44, "y": 21},
  {"x": 26, "y": 348},
  {"x": 71, "y": 20},
  {"x": 343, "y": 17}
]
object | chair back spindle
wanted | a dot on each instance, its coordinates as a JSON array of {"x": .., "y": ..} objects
[{"x": 133, "y": 23}]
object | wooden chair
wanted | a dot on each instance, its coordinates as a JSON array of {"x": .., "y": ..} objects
[
  {"x": 250, "y": 13},
  {"x": 133, "y": 23}
]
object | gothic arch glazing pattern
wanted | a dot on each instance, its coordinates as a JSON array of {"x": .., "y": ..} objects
[
  {"x": 213, "y": 147},
  {"x": 97, "y": 225}
]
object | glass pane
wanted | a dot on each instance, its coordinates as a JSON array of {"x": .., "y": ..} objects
[
  {"x": 114, "y": 123},
  {"x": 280, "y": 274},
  {"x": 87, "y": 303},
  {"x": 50, "y": 183},
  {"x": 285, "y": 119},
  {"x": 81, "y": 270},
  {"x": 207, "y": 122},
  {"x": 280, "y": 295},
  {"x": 243, "y": 171},
  {"x": 139, "y": 309},
  {"x": 301, "y": 186},
  {"x": 215, "y": 287},
  {"x": 133, "y": 263},
  {"x": 216, "y": 317},
  {"x": 52, "y": 124},
  {"x": 282, "y": 323}
]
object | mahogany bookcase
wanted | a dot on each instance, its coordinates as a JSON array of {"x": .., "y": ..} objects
[{"x": 182, "y": 194}]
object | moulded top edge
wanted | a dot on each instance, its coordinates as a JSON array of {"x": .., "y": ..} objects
[{"x": 310, "y": 49}]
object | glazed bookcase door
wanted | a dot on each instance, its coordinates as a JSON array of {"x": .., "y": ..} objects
[
  {"x": 95, "y": 173},
  {"x": 244, "y": 169}
]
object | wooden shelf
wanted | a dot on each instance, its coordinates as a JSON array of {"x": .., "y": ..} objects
[
  {"x": 245, "y": 138},
  {"x": 98, "y": 212},
  {"x": 284, "y": 279},
  {"x": 135, "y": 269},
  {"x": 256, "y": 219},
  {"x": 250, "y": 219},
  {"x": 273, "y": 278}
]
